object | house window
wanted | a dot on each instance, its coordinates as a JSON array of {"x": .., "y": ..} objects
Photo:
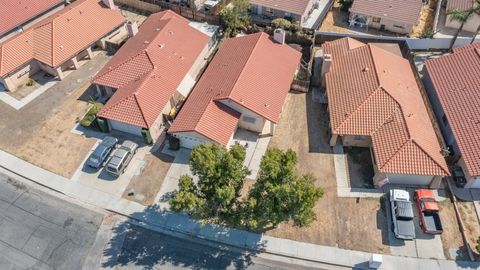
[
  {"x": 249, "y": 119},
  {"x": 398, "y": 26},
  {"x": 288, "y": 14},
  {"x": 444, "y": 120},
  {"x": 358, "y": 138},
  {"x": 376, "y": 20},
  {"x": 269, "y": 10}
]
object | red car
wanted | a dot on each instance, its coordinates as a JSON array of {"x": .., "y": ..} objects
[{"x": 428, "y": 210}]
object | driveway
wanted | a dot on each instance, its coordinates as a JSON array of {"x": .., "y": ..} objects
[
  {"x": 101, "y": 179},
  {"x": 38, "y": 231}
]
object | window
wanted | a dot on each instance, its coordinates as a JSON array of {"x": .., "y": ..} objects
[
  {"x": 376, "y": 19},
  {"x": 249, "y": 119},
  {"x": 288, "y": 14},
  {"x": 398, "y": 26}
]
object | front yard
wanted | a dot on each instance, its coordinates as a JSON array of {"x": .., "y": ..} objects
[{"x": 349, "y": 223}]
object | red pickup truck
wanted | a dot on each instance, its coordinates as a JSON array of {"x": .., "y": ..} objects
[{"x": 428, "y": 210}]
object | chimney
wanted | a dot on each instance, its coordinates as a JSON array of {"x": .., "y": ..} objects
[
  {"x": 279, "y": 36},
  {"x": 327, "y": 62},
  {"x": 109, "y": 4},
  {"x": 132, "y": 28}
]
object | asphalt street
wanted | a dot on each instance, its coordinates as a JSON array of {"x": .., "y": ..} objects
[{"x": 39, "y": 231}]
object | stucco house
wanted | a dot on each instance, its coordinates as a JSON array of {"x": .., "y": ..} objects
[
  {"x": 374, "y": 101},
  {"x": 57, "y": 43},
  {"x": 391, "y": 15},
  {"x": 473, "y": 22},
  {"x": 244, "y": 86},
  {"x": 453, "y": 85},
  {"x": 17, "y": 15},
  {"x": 152, "y": 73},
  {"x": 297, "y": 11}
]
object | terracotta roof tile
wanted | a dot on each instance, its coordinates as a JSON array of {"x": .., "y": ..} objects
[
  {"x": 149, "y": 68},
  {"x": 372, "y": 92},
  {"x": 456, "y": 80},
  {"x": 406, "y": 11},
  {"x": 252, "y": 71},
  {"x": 14, "y": 13},
  {"x": 295, "y": 7},
  {"x": 459, "y": 4},
  {"x": 60, "y": 36}
]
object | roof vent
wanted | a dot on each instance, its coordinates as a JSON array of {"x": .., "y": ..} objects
[
  {"x": 161, "y": 45},
  {"x": 61, "y": 47},
  {"x": 410, "y": 115},
  {"x": 157, "y": 29},
  {"x": 145, "y": 42},
  {"x": 365, "y": 69},
  {"x": 182, "y": 57},
  {"x": 170, "y": 32},
  {"x": 390, "y": 6},
  {"x": 266, "y": 105}
]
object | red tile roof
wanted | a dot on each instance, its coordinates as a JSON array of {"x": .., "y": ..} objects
[
  {"x": 459, "y": 4},
  {"x": 60, "y": 36},
  {"x": 149, "y": 67},
  {"x": 406, "y": 11},
  {"x": 252, "y": 71},
  {"x": 295, "y": 7},
  {"x": 372, "y": 92},
  {"x": 456, "y": 80},
  {"x": 14, "y": 13}
]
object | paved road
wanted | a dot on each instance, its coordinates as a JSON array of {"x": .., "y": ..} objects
[
  {"x": 147, "y": 249},
  {"x": 38, "y": 231}
]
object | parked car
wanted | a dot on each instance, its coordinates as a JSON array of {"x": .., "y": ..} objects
[
  {"x": 459, "y": 177},
  {"x": 101, "y": 152},
  {"x": 428, "y": 209},
  {"x": 121, "y": 158},
  {"x": 402, "y": 214}
]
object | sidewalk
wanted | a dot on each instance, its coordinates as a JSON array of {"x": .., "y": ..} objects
[{"x": 181, "y": 224}]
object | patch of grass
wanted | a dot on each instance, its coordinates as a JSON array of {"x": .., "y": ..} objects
[
  {"x": 30, "y": 82},
  {"x": 88, "y": 120}
]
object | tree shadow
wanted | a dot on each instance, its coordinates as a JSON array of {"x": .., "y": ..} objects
[{"x": 134, "y": 245}]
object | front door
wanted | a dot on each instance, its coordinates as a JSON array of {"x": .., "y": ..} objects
[{"x": 382, "y": 27}]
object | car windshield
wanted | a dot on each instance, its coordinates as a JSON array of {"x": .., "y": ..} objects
[{"x": 94, "y": 159}]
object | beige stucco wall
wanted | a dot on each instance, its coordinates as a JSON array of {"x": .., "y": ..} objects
[
  {"x": 21, "y": 76},
  {"x": 389, "y": 25},
  {"x": 471, "y": 25},
  {"x": 472, "y": 181},
  {"x": 259, "y": 120},
  {"x": 407, "y": 179}
]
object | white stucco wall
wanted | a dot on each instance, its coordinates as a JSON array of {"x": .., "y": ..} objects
[
  {"x": 409, "y": 179},
  {"x": 259, "y": 120},
  {"x": 190, "y": 139},
  {"x": 127, "y": 128}
]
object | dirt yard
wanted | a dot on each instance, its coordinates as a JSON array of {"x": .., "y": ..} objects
[
  {"x": 344, "y": 222},
  {"x": 427, "y": 18},
  {"x": 53, "y": 146},
  {"x": 453, "y": 245},
  {"x": 149, "y": 182},
  {"x": 336, "y": 20}
]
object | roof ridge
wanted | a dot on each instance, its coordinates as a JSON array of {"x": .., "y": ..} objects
[
  {"x": 140, "y": 108},
  {"x": 53, "y": 49},
  {"x": 374, "y": 66},
  {"x": 428, "y": 155}
]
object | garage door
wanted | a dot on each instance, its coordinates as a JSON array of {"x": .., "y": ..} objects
[
  {"x": 404, "y": 179},
  {"x": 134, "y": 130},
  {"x": 188, "y": 142}
]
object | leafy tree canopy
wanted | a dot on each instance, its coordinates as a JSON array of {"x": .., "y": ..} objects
[{"x": 235, "y": 17}]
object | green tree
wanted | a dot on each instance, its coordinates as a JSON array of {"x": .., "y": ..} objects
[
  {"x": 280, "y": 194},
  {"x": 345, "y": 5},
  {"x": 235, "y": 17},
  {"x": 282, "y": 23},
  {"x": 221, "y": 176}
]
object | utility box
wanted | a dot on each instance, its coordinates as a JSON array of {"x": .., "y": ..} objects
[{"x": 375, "y": 261}]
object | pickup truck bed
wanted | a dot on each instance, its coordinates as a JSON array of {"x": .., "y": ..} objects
[{"x": 432, "y": 222}]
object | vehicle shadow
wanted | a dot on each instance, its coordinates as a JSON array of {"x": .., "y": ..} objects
[{"x": 133, "y": 245}]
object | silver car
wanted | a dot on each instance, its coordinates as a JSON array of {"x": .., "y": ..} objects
[{"x": 121, "y": 158}]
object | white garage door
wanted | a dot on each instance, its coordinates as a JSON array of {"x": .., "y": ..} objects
[
  {"x": 188, "y": 142},
  {"x": 405, "y": 179},
  {"x": 126, "y": 128}
]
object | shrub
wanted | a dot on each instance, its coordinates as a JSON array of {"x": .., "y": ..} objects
[
  {"x": 282, "y": 23},
  {"x": 91, "y": 115},
  {"x": 30, "y": 82}
]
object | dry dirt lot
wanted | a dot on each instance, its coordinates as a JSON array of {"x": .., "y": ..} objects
[
  {"x": 40, "y": 132},
  {"x": 335, "y": 21},
  {"x": 343, "y": 222},
  {"x": 149, "y": 182},
  {"x": 453, "y": 245}
]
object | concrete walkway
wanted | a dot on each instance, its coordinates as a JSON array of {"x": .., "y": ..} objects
[
  {"x": 18, "y": 104},
  {"x": 181, "y": 224},
  {"x": 343, "y": 181}
]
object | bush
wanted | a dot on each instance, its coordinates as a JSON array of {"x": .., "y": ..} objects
[
  {"x": 30, "y": 82},
  {"x": 282, "y": 23},
  {"x": 91, "y": 115},
  {"x": 345, "y": 5}
]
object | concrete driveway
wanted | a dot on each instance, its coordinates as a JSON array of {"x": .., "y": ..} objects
[
  {"x": 101, "y": 180},
  {"x": 423, "y": 246}
]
